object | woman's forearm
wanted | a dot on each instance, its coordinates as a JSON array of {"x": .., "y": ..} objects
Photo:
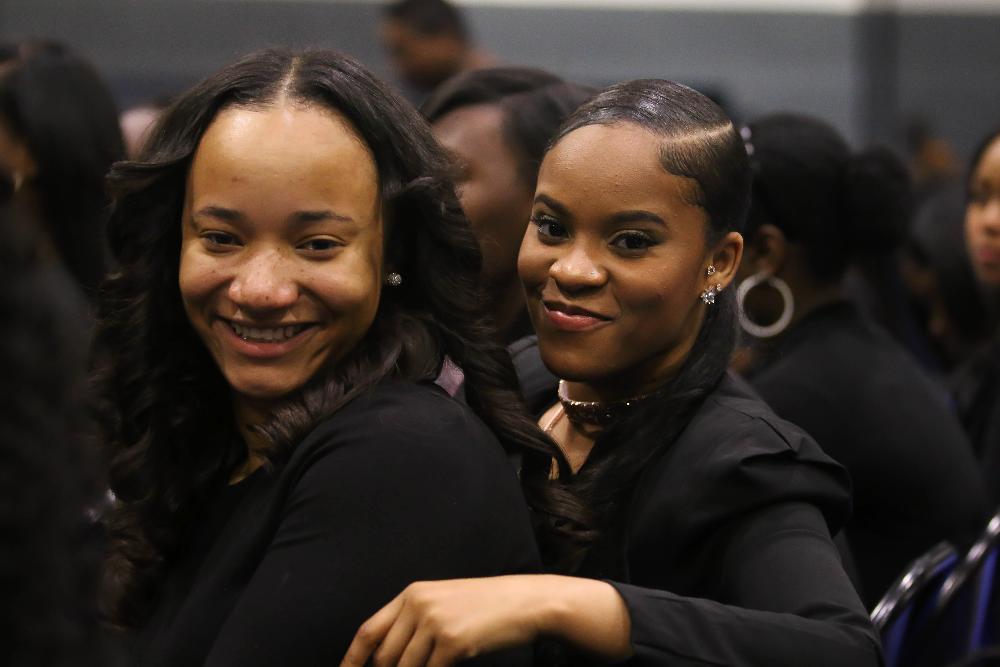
[{"x": 586, "y": 613}]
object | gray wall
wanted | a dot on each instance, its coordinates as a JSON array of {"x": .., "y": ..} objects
[{"x": 861, "y": 74}]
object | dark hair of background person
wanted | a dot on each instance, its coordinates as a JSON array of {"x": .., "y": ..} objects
[
  {"x": 698, "y": 142},
  {"x": 944, "y": 290},
  {"x": 534, "y": 104},
  {"x": 56, "y": 103},
  {"x": 977, "y": 156},
  {"x": 49, "y": 555},
  {"x": 429, "y": 17},
  {"x": 837, "y": 205},
  {"x": 164, "y": 401}
]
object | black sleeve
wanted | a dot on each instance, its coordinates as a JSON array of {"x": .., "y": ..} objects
[
  {"x": 372, "y": 513},
  {"x": 788, "y": 603}
]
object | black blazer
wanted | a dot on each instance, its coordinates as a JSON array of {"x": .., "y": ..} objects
[{"x": 726, "y": 556}]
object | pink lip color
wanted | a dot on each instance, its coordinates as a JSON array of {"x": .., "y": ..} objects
[
  {"x": 256, "y": 350},
  {"x": 567, "y": 322},
  {"x": 988, "y": 255}
]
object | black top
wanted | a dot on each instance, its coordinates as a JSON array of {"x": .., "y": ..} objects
[
  {"x": 402, "y": 484},
  {"x": 869, "y": 406},
  {"x": 727, "y": 559},
  {"x": 977, "y": 391}
]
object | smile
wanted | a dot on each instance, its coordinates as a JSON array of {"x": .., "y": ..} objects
[
  {"x": 269, "y": 334},
  {"x": 569, "y": 318}
]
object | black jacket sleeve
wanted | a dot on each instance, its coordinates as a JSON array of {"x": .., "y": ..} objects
[{"x": 790, "y": 604}]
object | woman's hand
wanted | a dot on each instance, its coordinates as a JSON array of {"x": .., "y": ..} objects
[{"x": 441, "y": 622}]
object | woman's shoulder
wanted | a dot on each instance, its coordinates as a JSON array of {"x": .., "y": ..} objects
[
  {"x": 418, "y": 423},
  {"x": 735, "y": 421},
  {"x": 737, "y": 455}
]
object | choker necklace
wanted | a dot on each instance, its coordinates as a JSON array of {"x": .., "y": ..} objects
[{"x": 595, "y": 413}]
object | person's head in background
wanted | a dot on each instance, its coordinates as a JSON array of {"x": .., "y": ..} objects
[
  {"x": 982, "y": 213},
  {"x": 496, "y": 124},
  {"x": 428, "y": 42},
  {"x": 59, "y": 135},
  {"x": 933, "y": 163},
  {"x": 816, "y": 206}
]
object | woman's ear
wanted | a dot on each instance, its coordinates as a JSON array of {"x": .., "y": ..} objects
[
  {"x": 766, "y": 251},
  {"x": 724, "y": 261}
]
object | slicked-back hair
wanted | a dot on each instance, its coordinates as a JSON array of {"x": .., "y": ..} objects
[
  {"x": 836, "y": 204},
  {"x": 166, "y": 409},
  {"x": 699, "y": 142}
]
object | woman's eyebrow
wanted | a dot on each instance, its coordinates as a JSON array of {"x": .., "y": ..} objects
[
  {"x": 325, "y": 215},
  {"x": 298, "y": 217},
  {"x": 553, "y": 204},
  {"x": 638, "y": 216},
  {"x": 220, "y": 213}
]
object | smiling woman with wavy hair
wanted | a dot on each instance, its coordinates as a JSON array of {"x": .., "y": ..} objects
[{"x": 295, "y": 270}]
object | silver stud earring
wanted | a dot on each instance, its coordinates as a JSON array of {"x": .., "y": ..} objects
[
  {"x": 394, "y": 279},
  {"x": 708, "y": 296},
  {"x": 710, "y": 271}
]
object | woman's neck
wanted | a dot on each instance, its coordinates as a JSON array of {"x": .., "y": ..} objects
[{"x": 250, "y": 415}]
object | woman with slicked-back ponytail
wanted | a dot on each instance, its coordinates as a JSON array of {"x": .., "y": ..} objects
[
  {"x": 701, "y": 522},
  {"x": 295, "y": 270}
]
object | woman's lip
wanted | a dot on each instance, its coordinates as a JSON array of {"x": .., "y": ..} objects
[
  {"x": 262, "y": 350},
  {"x": 988, "y": 255},
  {"x": 572, "y": 321}
]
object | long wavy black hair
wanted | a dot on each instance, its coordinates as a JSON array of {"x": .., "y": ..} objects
[
  {"x": 49, "y": 557},
  {"x": 56, "y": 103},
  {"x": 166, "y": 408},
  {"x": 697, "y": 141}
]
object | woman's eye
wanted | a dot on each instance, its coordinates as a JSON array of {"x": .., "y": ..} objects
[
  {"x": 319, "y": 245},
  {"x": 979, "y": 196},
  {"x": 633, "y": 241},
  {"x": 219, "y": 240},
  {"x": 549, "y": 227}
]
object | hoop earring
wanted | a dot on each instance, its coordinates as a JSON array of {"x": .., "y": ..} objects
[{"x": 788, "y": 308}]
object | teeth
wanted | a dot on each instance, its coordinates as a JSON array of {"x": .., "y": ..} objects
[{"x": 261, "y": 335}]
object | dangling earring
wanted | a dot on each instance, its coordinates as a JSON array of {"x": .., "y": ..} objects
[
  {"x": 708, "y": 296},
  {"x": 393, "y": 279},
  {"x": 787, "y": 310}
]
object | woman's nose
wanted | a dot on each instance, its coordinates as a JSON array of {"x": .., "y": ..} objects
[
  {"x": 577, "y": 269},
  {"x": 265, "y": 281}
]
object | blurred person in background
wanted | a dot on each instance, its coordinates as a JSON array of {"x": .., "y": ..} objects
[
  {"x": 137, "y": 122},
  {"x": 933, "y": 163},
  {"x": 941, "y": 287},
  {"x": 49, "y": 554},
  {"x": 428, "y": 42},
  {"x": 977, "y": 381},
  {"x": 59, "y": 135},
  {"x": 820, "y": 364},
  {"x": 496, "y": 124}
]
